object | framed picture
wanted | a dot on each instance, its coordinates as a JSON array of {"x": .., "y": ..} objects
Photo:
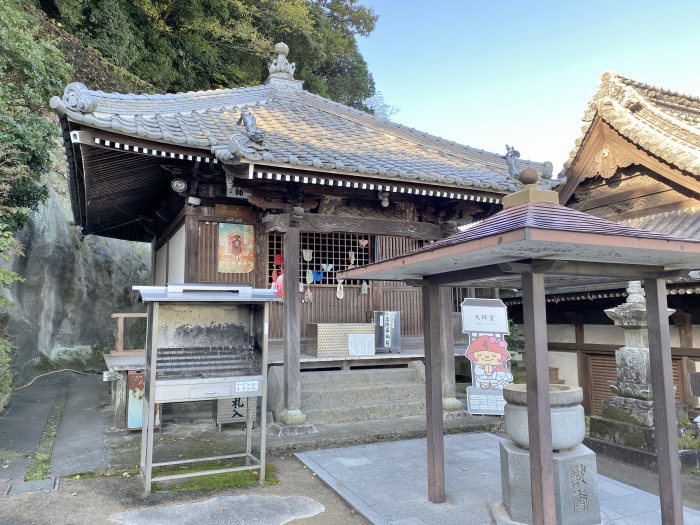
[{"x": 236, "y": 248}]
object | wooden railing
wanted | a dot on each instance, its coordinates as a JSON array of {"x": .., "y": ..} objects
[{"x": 119, "y": 349}]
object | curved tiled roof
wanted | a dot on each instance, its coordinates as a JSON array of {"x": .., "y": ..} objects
[
  {"x": 660, "y": 121},
  {"x": 299, "y": 129}
]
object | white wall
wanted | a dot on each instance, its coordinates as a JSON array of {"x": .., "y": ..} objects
[
  {"x": 567, "y": 363},
  {"x": 176, "y": 256},
  {"x": 161, "y": 269},
  {"x": 560, "y": 333},
  {"x": 603, "y": 334}
]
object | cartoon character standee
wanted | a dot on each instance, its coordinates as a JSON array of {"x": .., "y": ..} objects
[{"x": 488, "y": 355}]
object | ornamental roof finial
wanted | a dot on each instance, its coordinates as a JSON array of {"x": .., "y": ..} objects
[
  {"x": 282, "y": 70},
  {"x": 280, "y": 66}
]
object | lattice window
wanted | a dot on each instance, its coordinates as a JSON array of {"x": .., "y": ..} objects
[
  {"x": 275, "y": 246},
  {"x": 327, "y": 249}
]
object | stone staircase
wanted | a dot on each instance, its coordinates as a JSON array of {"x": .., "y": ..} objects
[
  {"x": 554, "y": 376},
  {"x": 336, "y": 396}
]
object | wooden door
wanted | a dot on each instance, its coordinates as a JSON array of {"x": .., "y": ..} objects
[{"x": 602, "y": 369}]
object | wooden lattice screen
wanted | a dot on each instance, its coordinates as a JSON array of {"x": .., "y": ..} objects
[{"x": 327, "y": 248}]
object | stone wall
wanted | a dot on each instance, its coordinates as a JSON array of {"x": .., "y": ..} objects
[{"x": 72, "y": 286}]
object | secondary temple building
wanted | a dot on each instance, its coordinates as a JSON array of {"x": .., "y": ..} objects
[
  {"x": 637, "y": 163},
  {"x": 274, "y": 186}
]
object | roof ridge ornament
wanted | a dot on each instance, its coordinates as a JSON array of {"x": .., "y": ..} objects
[
  {"x": 251, "y": 128},
  {"x": 78, "y": 97},
  {"x": 282, "y": 70},
  {"x": 512, "y": 155}
]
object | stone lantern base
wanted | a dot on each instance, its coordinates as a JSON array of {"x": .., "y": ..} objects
[{"x": 575, "y": 482}]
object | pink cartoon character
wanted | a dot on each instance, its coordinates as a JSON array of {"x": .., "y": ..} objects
[{"x": 488, "y": 354}]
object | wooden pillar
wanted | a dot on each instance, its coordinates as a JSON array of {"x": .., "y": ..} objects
[
  {"x": 447, "y": 351},
  {"x": 291, "y": 414},
  {"x": 192, "y": 249},
  {"x": 668, "y": 462},
  {"x": 433, "y": 337},
  {"x": 685, "y": 331},
  {"x": 538, "y": 409}
]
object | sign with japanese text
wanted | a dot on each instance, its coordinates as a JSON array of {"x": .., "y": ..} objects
[{"x": 485, "y": 316}]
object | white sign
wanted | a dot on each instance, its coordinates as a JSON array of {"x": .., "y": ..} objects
[
  {"x": 247, "y": 386},
  {"x": 361, "y": 344},
  {"x": 484, "y": 316}
]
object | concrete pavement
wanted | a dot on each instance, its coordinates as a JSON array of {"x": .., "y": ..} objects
[{"x": 86, "y": 443}]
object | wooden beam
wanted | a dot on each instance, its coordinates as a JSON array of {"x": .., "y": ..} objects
[
  {"x": 674, "y": 206},
  {"x": 432, "y": 312},
  {"x": 191, "y": 249},
  {"x": 616, "y": 197},
  {"x": 538, "y": 409},
  {"x": 669, "y": 468},
  {"x": 593, "y": 348},
  {"x": 553, "y": 267},
  {"x": 292, "y": 325},
  {"x": 449, "y": 399},
  {"x": 457, "y": 276},
  {"x": 313, "y": 222}
]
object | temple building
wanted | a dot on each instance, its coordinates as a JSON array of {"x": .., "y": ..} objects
[{"x": 274, "y": 186}]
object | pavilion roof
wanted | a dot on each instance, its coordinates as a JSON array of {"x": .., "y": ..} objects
[
  {"x": 582, "y": 244},
  {"x": 662, "y": 122}
]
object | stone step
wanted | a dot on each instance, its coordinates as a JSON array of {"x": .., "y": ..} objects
[
  {"x": 372, "y": 394},
  {"x": 338, "y": 379},
  {"x": 364, "y": 412}
]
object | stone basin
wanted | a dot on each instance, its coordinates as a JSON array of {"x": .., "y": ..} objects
[{"x": 568, "y": 419}]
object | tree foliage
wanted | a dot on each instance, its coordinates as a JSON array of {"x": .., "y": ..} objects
[
  {"x": 30, "y": 71},
  {"x": 180, "y": 45}
]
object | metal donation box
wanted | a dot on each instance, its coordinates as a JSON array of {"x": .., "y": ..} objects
[
  {"x": 387, "y": 331},
  {"x": 205, "y": 342}
]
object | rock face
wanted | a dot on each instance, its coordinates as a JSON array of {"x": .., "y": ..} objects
[{"x": 73, "y": 285}]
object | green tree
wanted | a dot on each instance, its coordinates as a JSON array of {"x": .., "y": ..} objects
[
  {"x": 180, "y": 45},
  {"x": 30, "y": 71}
]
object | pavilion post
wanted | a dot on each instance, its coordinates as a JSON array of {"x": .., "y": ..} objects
[
  {"x": 449, "y": 399},
  {"x": 291, "y": 414},
  {"x": 668, "y": 462},
  {"x": 432, "y": 312},
  {"x": 538, "y": 409}
]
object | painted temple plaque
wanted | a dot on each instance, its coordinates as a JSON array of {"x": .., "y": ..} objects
[{"x": 236, "y": 248}]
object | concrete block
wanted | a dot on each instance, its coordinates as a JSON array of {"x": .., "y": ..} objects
[{"x": 575, "y": 481}]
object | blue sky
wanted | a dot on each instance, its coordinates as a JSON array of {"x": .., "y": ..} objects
[{"x": 521, "y": 73}]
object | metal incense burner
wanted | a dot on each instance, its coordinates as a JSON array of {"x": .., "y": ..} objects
[{"x": 205, "y": 342}]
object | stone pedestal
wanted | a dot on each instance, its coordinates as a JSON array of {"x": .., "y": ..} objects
[
  {"x": 575, "y": 481},
  {"x": 628, "y": 416}
]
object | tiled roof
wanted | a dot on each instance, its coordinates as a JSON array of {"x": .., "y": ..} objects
[
  {"x": 662, "y": 122},
  {"x": 679, "y": 223},
  {"x": 299, "y": 129}
]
